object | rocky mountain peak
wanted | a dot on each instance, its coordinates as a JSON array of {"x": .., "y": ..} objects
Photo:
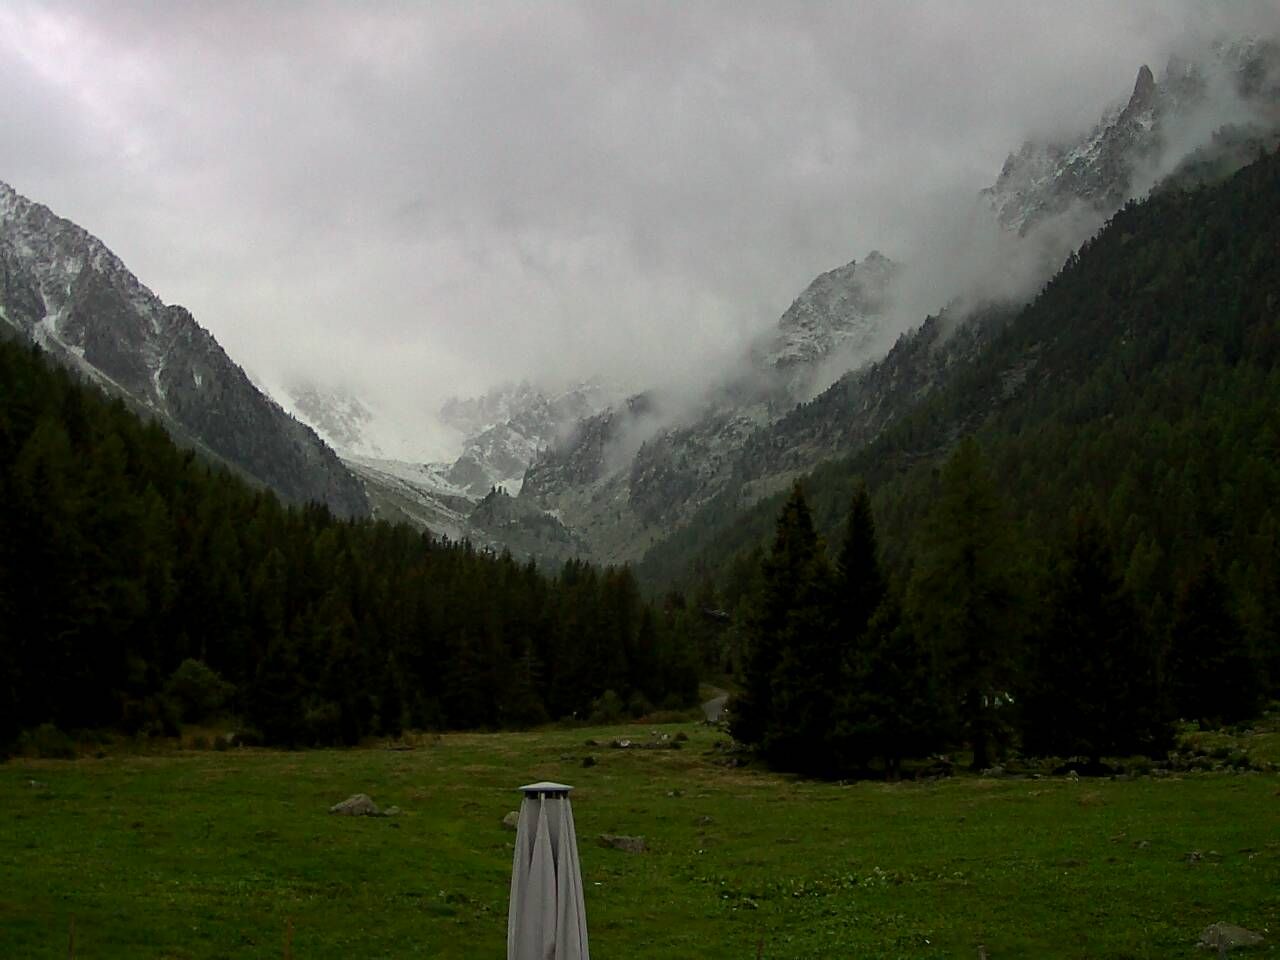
[
  {"x": 1128, "y": 148},
  {"x": 837, "y": 312},
  {"x": 1144, "y": 91}
]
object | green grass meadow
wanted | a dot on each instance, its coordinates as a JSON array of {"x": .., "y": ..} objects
[{"x": 204, "y": 854}]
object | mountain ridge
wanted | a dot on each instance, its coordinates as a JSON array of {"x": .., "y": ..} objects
[{"x": 63, "y": 289}]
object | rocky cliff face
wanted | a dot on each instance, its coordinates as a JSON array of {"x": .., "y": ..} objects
[
  {"x": 507, "y": 428},
  {"x": 63, "y": 289},
  {"x": 341, "y": 419},
  {"x": 835, "y": 319},
  {"x": 1234, "y": 84}
]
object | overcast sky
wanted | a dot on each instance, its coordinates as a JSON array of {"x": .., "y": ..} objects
[{"x": 421, "y": 199}]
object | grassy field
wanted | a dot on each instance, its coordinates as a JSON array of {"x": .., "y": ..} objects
[{"x": 213, "y": 854}]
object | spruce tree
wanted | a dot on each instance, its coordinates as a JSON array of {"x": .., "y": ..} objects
[
  {"x": 1092, "y": 689},
  {"x": 1216, "y": 677},
  {"x": 963, "y": 597},
  {"x": 786, "y": 706},
  {"x": 860, "y": 583},
  {"x": 888, "y": 708}
]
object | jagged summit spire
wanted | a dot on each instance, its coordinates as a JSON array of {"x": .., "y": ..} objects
[{"x": 1144, "y": 89}]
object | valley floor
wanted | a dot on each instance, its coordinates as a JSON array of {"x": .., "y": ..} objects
[{"x": 203, "y": 854}]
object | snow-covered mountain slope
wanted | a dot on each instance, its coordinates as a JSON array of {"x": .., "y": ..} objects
[
  {"x": 837, "y": 317},
  {"x": 341, "y": 419},
  {"x": 502, "y": 432},
  {"x": 509, "y": 426},
  {"x": 472, "y": 497},
  {"x": 61, "y": 288},
  {"x": 415, "y": 494}
]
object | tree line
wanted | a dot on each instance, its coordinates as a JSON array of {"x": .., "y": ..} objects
[
  {"x": 141, "y": 586},
  {"x": 980, "y": 643}
]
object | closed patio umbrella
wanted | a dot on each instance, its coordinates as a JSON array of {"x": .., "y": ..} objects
[{"x": 547, "y": 919}]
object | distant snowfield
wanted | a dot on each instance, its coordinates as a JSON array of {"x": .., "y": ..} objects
[
  {"x": 424, "y": 476},
  {"x": 366, "y": 428}
]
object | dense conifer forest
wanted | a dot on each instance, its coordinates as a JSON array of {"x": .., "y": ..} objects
[
  {"x": 141, "y": 587},
  {"x": 1099, "y": 554},
  {"x": 1070, "y": 543}
]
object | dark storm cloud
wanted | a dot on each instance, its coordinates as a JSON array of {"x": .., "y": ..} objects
[{"x": 419, "y": 199}]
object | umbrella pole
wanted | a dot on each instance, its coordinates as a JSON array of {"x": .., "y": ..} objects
[{"x": 546, "y": 919}]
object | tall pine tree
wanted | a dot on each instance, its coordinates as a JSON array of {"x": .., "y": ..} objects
[
  {"x": 1216, "y": 677},
  {"x": 1092, "y": 689},
  {"x": 785, "y": 707},
  {"x": 885, "y": 708},
  {"x": 963, "y": 597}
]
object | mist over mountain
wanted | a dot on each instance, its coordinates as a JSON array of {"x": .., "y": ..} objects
[
  {"x": 610, "y": 480},
  {"x": 631, "y": 476},
  {"x": 733, "y": 221},
  {"x": 582, "y": 192}
]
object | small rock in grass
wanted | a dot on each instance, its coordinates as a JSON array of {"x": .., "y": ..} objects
[
  {"x": 358, "y": 805},
  {"x": 1227, "y": 936},
  {"x": 1195, "y": 856},
  {"x": 588, "y": 761},
  {"x": 625, "y": 844},
  {"x": 512, "y": 820},
  {"x": 391, "y": 811}
]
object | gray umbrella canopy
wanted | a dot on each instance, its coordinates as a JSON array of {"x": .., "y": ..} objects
[{"x": 547, "y": 919}]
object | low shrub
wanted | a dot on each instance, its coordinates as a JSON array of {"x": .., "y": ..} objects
[
  {"x": 197, "y": 691},
  {"x": 47, "y": 742},
  {"x": 153, "y": 717},
  {"x": 606, "y": 708}
]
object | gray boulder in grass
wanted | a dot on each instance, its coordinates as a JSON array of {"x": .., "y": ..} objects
[
  {"x": 359, "y": 805},
  {"x": 625, "y": 844},
  {"x": 1227, "y": 936}
]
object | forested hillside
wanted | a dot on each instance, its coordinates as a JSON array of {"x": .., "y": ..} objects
[
  {"x": 1140, "y": 389},
  {"x": 140, "y": 586}
]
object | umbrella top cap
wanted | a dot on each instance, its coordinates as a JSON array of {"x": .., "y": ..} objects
[{"x": 545, "y": 787}]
